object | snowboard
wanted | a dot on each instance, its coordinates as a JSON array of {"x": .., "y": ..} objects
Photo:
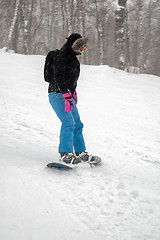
[
  {"x": 95, "y": 161},
  {"x": 59, "y": 166}
]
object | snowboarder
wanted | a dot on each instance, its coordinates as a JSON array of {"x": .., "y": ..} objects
[{"x": 64, "y": 72}]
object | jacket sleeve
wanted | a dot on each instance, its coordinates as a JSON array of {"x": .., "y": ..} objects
[
  {"x": 59, "y": 73},
  {"x": 48, "y": 63}
]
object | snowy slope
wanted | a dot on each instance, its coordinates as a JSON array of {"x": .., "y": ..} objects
[{"x": 119, "y": 200}]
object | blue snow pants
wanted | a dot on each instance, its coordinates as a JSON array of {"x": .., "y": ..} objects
[{"x": 71, "y": 137}]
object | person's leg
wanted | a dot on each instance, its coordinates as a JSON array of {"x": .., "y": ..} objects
[
  {"x": 68, "y": 123},
  {"x": 79, "y": 144}
]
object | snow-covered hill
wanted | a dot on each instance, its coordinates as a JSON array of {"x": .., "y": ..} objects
[{"x": 119, "y": 200}]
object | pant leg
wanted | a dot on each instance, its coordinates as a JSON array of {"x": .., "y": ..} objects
[
  {"x": 68, "y": 123},
  {"x": 79, "y": 143}
]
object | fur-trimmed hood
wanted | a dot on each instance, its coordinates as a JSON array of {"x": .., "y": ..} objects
[
  {"x": 79, "y": 43},
  {"x": 74, "y": 42}
]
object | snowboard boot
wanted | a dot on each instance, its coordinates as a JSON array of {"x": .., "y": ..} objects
[
  {"x": 85, "y": 157},
  {"x": 69, "y": 158}
]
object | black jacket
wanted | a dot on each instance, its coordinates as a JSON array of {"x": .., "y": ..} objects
[{"x": 66, "y": 68}]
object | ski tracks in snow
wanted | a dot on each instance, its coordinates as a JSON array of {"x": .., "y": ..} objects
[
  {"x": 105, "y": 203},
  {"x": 87, "y": 203}
]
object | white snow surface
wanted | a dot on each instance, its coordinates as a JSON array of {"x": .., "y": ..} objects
[{"x": 119, "y": 200}]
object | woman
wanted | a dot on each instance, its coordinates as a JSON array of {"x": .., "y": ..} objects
[{"x": 65, "y": 71}]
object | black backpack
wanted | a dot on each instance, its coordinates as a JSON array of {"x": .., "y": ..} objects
[{"x": 49, "y": 65}]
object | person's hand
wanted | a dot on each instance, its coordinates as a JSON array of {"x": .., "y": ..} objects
[{"x": 68, "y": 102}]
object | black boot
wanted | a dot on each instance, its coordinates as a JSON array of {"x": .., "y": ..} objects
[{"x": 69, "y": 158}]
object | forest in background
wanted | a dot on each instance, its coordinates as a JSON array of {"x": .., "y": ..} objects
[{"x": 122, "y": 33}]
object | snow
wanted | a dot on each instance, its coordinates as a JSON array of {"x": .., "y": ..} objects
[{"x": 119, "y": 200}]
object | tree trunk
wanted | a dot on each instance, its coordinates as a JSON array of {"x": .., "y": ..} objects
[
  {"x": 120, "y": 33},
  {"x": 99, "y": 33},
  {"x": 140, "y": 60},
  {"x": 83, "y": 27},
  {"x": 127, "y": 46},
  {"x": 10, "y": 36}
]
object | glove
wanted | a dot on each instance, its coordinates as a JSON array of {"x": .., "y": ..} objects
[
  {"x": 75, "y": 97},
  {"x": 68, "y": 102}
]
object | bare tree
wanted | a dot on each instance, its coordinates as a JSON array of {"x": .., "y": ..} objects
[
  {"x": 120, "y": 33},
  {"x": 140, "y": 60},
  {"x": 99, "y": 6},
  {"x": 11, "y": 30},
  {"x": 26, "y": 9}
]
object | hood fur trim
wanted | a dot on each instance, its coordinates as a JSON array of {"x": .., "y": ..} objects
[{"x": 79, "y": 43}]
